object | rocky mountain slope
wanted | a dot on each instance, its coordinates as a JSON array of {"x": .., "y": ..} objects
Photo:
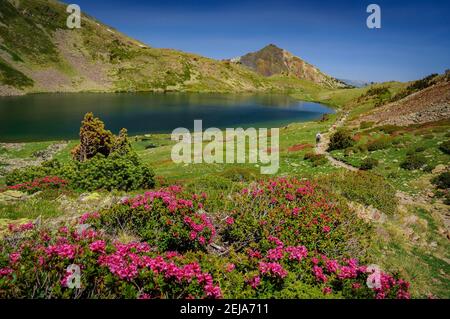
[
  {"x": 272, "y": 60},
  {"x": 38, "y": 53},
  {"x": 428, "y": 104}
]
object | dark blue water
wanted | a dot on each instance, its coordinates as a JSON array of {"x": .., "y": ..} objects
[{"x": 58, "y": 116}]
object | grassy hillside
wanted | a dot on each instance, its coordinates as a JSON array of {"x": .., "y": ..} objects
[{"x": 39, "y": 54}]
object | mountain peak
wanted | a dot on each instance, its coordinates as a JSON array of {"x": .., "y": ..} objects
[
  {"x": 273, "y": 60},
  {"x": 271, "y": 45}
]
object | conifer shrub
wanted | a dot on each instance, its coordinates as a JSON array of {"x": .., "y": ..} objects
[
  {"x": 340, "y": 140},
  {"x": 368, "y": 164},
  {"x": 100, "y": 161},
  {"x": 94, "y": 139},
  {"x": 445, "y": 147},
  {"x": 414, "y": 161}
]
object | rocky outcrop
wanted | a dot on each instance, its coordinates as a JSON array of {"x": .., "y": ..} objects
[
  {"x": 429, "y": 105},
  {"x": 272, "y": 60}
]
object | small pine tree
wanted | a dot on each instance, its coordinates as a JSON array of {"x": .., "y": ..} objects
[
  {"x": 94, "y": 139},
  {"x": 122, "y": 145}
]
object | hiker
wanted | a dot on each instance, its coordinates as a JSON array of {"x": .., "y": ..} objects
[{"x": 318, "y": 137}]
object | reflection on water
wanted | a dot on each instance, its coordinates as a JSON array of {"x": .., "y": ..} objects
[{"x": 58, "y": 116}]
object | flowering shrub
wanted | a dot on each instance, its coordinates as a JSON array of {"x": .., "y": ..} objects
[
  {"x": 167, "y": 218},
  {"x": 296, "y": 212},
  {"x": 285, "y": 238},
  {"x": 39, "y": 184},
  {"x": 36, "y": 267}
]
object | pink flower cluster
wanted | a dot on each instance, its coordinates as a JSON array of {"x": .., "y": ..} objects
[
  {"x": 20, "y": 228},
  {"x": 88, "y": 216},
  {"x": 204, "y": 223},
  {"x": 254, "y": 282},
  {"x": 388, "y": 283},
  {"x": 40, "y": 184},
  {"x": 295, "y": 252},
  {"x": 168, "y": 196},
  {"x": 98, "y": 246},
  {"x": 14, "y": 257},
  {"x": 273, "y": 269},
  {"x": 290, "y": 188},
  {"x": 65, "y": 251},
  {"x": 5, "y": 272},
  {"x": 352, "y": 270},
  {"x": 128, "y": 260}
]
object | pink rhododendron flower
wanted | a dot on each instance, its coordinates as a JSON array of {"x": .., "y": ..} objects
[
  {"x": 5, "y": 272},
  {"x": 275, "y": 254},
  {"x": 254, "y": 282},
  {"x": 297, "y": 253},
  {"x": 332, "y": 266},
  {"x": 230, "y": 267},
  {"x": 62, "y": 250},
  {"x": 327, "y": 290},
  {"x": 254, "y": 254},
  {"x": 273, "y": 269},
  {"x": 318, "y": 273},
  {"x": 98, "y": 246},
  {"x": 290, "y": 197},
  {"x": 229, "y": 220},
  {"x": 276, "y": 241},
  {"x": 14, "y": 257},
  {"x": 213, "y": 291}
]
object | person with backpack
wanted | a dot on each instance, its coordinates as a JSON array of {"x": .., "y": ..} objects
[{"x": 318, "y": 137}]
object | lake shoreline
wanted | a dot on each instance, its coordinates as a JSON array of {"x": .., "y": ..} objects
[{"x": 52, "y": 117}]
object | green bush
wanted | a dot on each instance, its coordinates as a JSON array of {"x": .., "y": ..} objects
[
  {"x": 379, "y": 144},
  {"x": 100, "y": 161},
  {"x": 113, "y": 172},
  {"x": 19, "y": 176},
  {"x": 368, "y": 164},
  {"x": 341, "y": 140},
  {"x": 414, "y": 161},
  {"x": 316, "y": 159},
  {"x": 361, "y": 148},
  {"x": 445, "y": 147},
  {"x": 415, "y": 150},
  {"x": 362, "y": 187},
  {"x": 442, "y": 181}
]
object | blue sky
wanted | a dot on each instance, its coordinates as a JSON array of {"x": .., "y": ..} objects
[{"x": 413, "y": 42}]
